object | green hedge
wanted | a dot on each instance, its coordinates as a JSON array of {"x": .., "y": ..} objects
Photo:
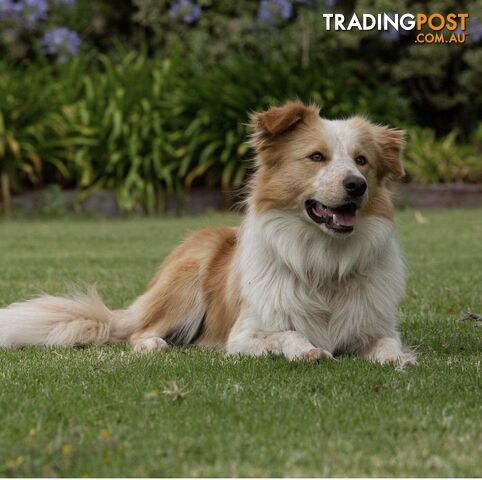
[{"x": 151, "y": 127}]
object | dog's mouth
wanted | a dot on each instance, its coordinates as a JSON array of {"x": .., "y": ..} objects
[{"x": 339, "y": 219}]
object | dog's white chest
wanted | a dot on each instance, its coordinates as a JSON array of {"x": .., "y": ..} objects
[
  {"x": 338, "y": 298},
  {"x": 346, "y": 317}
]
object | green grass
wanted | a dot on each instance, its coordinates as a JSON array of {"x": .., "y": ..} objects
[{"x": 102, "y": 411}]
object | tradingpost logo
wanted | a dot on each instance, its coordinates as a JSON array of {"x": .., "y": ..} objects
[{"x": 428, "y": 28}]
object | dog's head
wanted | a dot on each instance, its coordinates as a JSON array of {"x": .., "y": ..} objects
[{"x": 329, "y": 171}]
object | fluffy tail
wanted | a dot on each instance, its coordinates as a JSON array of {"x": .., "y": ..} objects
[{"x": 77, "y": 320}]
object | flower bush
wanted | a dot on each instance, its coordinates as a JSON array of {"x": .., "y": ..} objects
[
  {"x": 60, "y": 42},
  {"x": 24, "y": 13},
  {"x": 169, "y": 112},
  {"x": 188, "y": 11},
  {"x": 272, "y": 11},
  {"x": 28, "y": 18}
]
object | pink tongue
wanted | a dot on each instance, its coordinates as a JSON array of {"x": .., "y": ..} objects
[{"x": 345, "y": 219}]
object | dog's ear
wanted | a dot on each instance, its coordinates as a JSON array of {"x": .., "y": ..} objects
[
  {"x": 275, "y": 121},
  {"x": 390, "y": 142}
]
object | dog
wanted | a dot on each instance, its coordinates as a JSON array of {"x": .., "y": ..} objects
[{"x": 313, "y": 271}]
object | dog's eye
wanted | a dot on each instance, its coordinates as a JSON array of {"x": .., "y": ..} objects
[
  {"x": 317, "y": 157},
  {"x": 361, "y": 160}
]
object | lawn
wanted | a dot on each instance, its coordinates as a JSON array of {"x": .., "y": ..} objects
[{"x": 104, "y": 411}]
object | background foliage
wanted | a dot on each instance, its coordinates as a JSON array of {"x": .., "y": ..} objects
[{"x": 150, "y": 97}]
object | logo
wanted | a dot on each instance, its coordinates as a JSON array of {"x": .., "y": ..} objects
[{"x": 428, "y": 28}]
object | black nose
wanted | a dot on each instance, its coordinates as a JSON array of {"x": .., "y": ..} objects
[{"x": 355, "y": 185}]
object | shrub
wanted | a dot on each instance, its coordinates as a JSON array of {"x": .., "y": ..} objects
[
  {"x": 126, "y": 110},
  {"x": 160, "y": 126},
  {"x": 35, "y": 140},
  {"x": 148, "y": 127},
  {"x": 441, "y": 83},
  {"x": 429, "y": 159},
  {"x": 215, "y": 106},
  {"x": 29, "y": 26}
]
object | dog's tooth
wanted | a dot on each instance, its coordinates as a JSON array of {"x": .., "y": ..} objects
[{"x": 335, "y": 219}]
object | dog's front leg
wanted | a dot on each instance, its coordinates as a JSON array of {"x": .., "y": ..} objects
[
  {"x": 293, "y": 345},
  {"x": 388, "y": 350}
]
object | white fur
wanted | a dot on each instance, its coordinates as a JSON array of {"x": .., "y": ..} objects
[
  {"x": 389, "y": 350},
  {"x": 339, "y": 294},
  {"x": 343, "y": 142},
  {"x": 150, "y": 344},
  {"x": 48, "y": 320}
]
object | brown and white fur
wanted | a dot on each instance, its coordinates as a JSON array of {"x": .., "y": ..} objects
[{"x": 301, "y": 277}]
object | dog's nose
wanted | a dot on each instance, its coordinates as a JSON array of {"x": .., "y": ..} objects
[{"x": 354, "y": 185}]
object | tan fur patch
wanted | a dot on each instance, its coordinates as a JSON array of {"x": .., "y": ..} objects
[
  {"x": 195, "y": 279},
  {"x": 380, "y": 204},
  {"x": 221, "y": 286},
  {"x": 268, "y": 126}
]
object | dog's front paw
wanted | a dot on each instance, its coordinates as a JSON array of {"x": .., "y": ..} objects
[
  {"x": 150, "y": 344},
  {"x": 389, "y": 351},
  {"x": 314, "y": 354},
  {"x": 402, "y": 360}
]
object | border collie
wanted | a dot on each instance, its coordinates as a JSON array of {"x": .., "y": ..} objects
[{"x": 314, "y": 270}]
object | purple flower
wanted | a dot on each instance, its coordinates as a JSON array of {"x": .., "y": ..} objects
[
  {"x": 187, "y": 10},
  {"x": 272, "y": 11},
  {"x": 62, "y": 42},
  {"x": 26, "y": 13},
  {"x": 474, "y": 29},
  {"x": 11, "y": 11},
  {"x": 31, "y": 12},
  {"x": 7, "y": 8}
]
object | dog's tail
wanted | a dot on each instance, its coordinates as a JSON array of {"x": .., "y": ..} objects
[{"x": 80, "y": 319}]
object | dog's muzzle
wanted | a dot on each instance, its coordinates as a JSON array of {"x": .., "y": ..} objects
[{"x": 340, "y": 219}]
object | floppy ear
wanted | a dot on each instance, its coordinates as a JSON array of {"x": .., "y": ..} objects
[
  {"x": 391, "y": 142},
  {"x": 266, "y": 126}
]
